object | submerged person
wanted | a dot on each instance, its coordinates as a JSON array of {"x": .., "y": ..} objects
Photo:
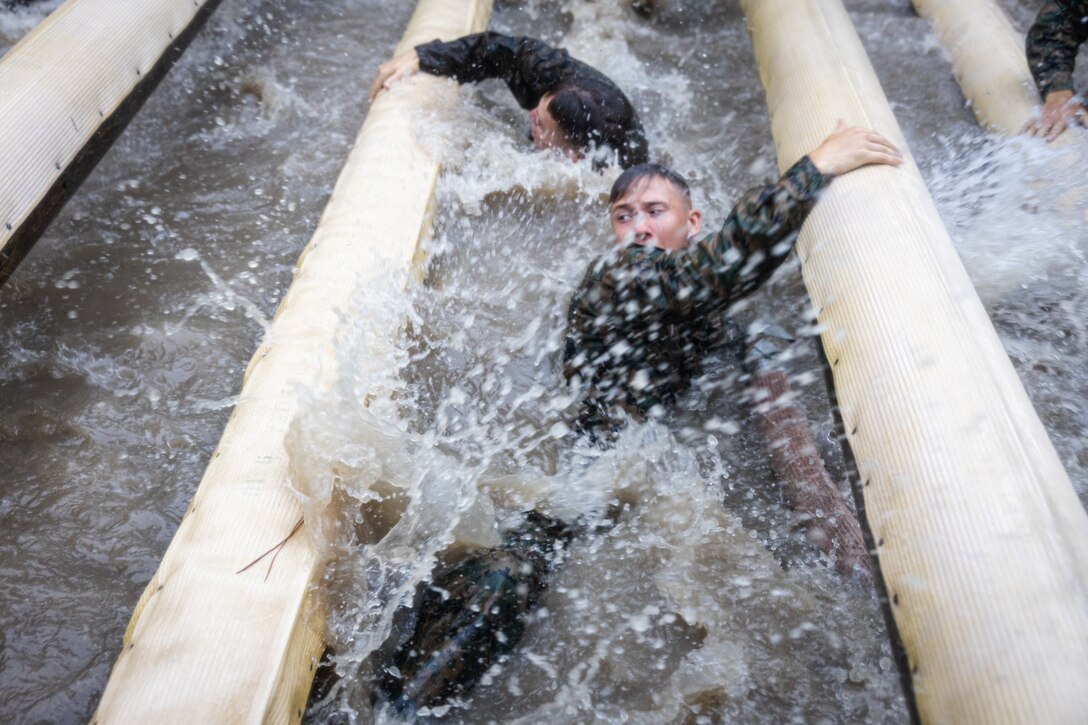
[
  {"x": 573, "y": 108},
  {"x": 472, "y": 613},
  {"x": 639, "y": 324},
  {"x": 1059, "y": 30}
]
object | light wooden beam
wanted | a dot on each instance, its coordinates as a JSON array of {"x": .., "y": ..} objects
[
  {"x": 982, "y": 542},
  {"x": 206, "y": 643},
  {"x": 67, "y": 91}
]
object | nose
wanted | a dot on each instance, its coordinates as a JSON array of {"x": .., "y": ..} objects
[{"x": 641, "y": 226}]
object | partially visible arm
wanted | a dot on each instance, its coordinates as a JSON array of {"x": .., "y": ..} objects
[
  {"x": 1052, "y": 43},
  {"x": 529, "y": 66},
  {"x": 1061, "y": 26},
  {"x": 589, "y": 317},
  {"x": 757, "y": 236},
  {"x": 592, "y": 334},
  {"x": 763, "y": 226}
]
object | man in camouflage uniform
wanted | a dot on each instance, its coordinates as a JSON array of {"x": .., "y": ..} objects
[
  {"x": 638, "y": 326},
  {"x": 573, "y": 108},
  {"x": 646, "y": 313},
  {"x": 1052, "y": 43}
]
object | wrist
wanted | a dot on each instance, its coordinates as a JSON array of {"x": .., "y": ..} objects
[
  {"x": 815, "y": 178},
  {"x": 1055, "y": 97},
  {"x": 821, "y": 164}
]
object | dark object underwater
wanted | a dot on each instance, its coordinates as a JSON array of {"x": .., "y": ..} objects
[{"x": 472, "y": 613}]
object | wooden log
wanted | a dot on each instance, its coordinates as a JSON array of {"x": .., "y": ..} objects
[
  {"x": 988, "y": 60},
  {"x": 982, "y": 542},
  {"x": 207, "y": 643},
  {"x": 990, "y": 65},
  {"x": 67, "y": 91}
]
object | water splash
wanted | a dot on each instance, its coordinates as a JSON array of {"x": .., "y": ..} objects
[
  {"x": 1000, "y": 199},
  {"x": 690, "y": 592}
]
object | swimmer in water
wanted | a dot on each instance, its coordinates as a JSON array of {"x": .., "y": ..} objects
[
  {"x": 573, "y": 108},
  {"x": 639, "y": 324}
]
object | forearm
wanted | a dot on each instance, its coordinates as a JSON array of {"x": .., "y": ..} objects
[
  {"x": 766, "y": 217},
  {"x": 529, "y": 67},
  {"x": 806, "y": 485},
  {"x": 756, "y": 238},
  {"x": 469, "y": 59}
]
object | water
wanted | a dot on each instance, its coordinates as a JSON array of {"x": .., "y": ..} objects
[
  {"x": 120, "y": 356},
  {"x": 126, "y": 330}
]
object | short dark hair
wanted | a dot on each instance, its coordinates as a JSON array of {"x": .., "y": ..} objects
[
  {"x": 629, "y": 178},
  {"x": 592, "y": 112}
]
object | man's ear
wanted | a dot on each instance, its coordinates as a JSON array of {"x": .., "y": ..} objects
[{"x": 695, "y": 222}]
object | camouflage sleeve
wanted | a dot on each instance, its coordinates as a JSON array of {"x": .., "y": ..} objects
[
  {"x": 710, "y": 275},
  {"x": 590, "y": 308},
  {"x": 592, "y": 321},
  {"x": 756, "y": 238},
  {"x": 1052, "y": 42},
  {"x": 530, "y": 67}
]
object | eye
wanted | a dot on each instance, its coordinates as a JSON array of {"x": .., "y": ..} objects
[{"x": 622, "y": 218}]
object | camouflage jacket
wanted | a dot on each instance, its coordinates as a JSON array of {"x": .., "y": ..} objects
[
  {"x": 642, "y": 318},
  {"x": 531, "y": 68},
  {"x": 1059, "y": 29}
]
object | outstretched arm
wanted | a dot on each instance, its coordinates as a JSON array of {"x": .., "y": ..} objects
[
  {"x": 1059, "y": 29},
  {"x": 530, "y": 67},
  {"x": 763, "y": 226}
]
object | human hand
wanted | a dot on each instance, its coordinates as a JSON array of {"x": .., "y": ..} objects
[
  {"x": 393, "y": 70},
  {"x": 850, "y": 147},
  {"x": 1058, "y": 112}
]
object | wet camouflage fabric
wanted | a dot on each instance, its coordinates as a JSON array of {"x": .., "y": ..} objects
[
  {"x": 531, "y": 68},
  {"x": 639, "y": 324},
  {"x": 1059, "y": 29},
  {"x": 642, "y": 318},
  {"x": 471, "y": 614}
]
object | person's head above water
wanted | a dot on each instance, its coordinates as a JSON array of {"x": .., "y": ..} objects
[
  {"x": 650, "y": 204},
  {"x": 583, "y": 115},
  {"x": 573, "y": 108}
]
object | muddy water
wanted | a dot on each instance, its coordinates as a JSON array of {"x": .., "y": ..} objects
[{"x": 126, "y": 330}]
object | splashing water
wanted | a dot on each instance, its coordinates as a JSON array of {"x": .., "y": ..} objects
[{"x": 689, "y": 595}]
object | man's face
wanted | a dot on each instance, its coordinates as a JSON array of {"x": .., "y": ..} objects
[
  {"x": 546, "y": 132},
  {"x": 654, "y": 214}
]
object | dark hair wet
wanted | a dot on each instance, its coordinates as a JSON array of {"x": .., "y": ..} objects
[
  {"x": 632, "y": 176},
  {"x": 593, "y": 113}
]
